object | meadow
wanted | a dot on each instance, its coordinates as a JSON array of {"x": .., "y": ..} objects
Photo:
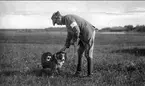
[{"x": 119, "y": 59}]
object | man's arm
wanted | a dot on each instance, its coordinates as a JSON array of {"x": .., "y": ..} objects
[
  {"x": 76, "y": 31},
  {"x": 67, "y": 42},
  {"x": 76, "y": 34}
]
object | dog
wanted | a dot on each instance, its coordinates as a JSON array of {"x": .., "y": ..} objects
[
  {"x": 60, "y": 59},
  {"x": 52, "y": 63},
  {"x": 48, "y": 63}
]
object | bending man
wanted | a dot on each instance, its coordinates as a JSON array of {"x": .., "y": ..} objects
[{"x": 82, "y": 33}]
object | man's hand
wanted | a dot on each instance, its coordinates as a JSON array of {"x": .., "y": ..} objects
[{"x": 76, "y": 41}]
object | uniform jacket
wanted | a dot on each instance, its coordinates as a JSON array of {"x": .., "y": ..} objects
[{"x": 84, "y": 28}]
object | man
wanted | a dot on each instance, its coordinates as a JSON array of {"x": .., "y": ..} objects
[{"x": 82, "y": 33}]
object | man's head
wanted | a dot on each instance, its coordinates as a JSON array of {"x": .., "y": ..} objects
[{"x": 56, "y": 18}]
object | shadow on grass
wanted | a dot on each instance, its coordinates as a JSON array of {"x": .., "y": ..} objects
[
  {"x": 35, "y": 72},
  {"x": 134, "y": 51},
  {"x": 10, "y": 73}
]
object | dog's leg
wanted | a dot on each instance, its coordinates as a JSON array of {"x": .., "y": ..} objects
[
  {"x": 58, "y": 71},
  {"x": 53, "y": 73}
]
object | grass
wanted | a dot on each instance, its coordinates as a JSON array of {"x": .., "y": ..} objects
[{"x": 118, "y": 60}]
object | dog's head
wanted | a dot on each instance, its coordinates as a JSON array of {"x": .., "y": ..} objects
[
  {"x": 46, "y": 56},
  {"x": 60, "y": 58},
  {"x": 47, "y": 60}
]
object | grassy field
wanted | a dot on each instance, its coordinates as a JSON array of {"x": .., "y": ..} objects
[{"x": 119, "y": 60}]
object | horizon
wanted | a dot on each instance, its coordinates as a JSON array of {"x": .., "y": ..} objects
[{"x": 37, "y": 14}]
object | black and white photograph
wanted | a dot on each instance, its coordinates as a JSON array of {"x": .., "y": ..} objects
[{"x": 72, "y": 43}]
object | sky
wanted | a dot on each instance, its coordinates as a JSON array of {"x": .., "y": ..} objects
[{"x": 37, "y": 14}]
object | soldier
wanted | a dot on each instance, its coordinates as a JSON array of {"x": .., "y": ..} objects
[{"x": 82, "y": 33}]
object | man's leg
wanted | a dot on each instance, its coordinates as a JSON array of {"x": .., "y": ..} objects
[
  {"x": 89, "y": 54},
  {"x": 81, "y": 50}
]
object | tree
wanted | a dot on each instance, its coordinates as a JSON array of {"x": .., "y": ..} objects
[
  {"x": 140, "y": 28},
  {"x": 129, "y": 27}
]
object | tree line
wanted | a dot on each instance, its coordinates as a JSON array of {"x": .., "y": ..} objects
[{"x": 126, "y": 28}]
